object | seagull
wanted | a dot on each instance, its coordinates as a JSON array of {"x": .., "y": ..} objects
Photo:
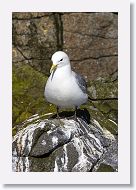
[{"x": 65, "y": 88}]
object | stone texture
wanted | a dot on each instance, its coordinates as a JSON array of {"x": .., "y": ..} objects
[
  {"x": 102, "y": 89},
  {"x": 104, "y": 101},
  {"x": 91, "y": 41},
  {"x": 108, "y": 162},
  {"x": 28, "y": 98},
  {"x": 64, "y": 146},
  {"x": 34, "y": 39}
]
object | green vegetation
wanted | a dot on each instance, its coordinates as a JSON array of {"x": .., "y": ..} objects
[
  {"x": 28, "y": 98},
  {"x": 105, "y": 110},
  {"x": 105, "y": 168},
  {"x": 103, "y": 89},
  {"x": 28, "y": 93}
]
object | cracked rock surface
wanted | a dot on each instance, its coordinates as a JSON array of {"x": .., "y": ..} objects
[
  {"x": 43, "y": 144},
  {"x": 91, "y": 41},
  {"x": 50, "y": 145}
]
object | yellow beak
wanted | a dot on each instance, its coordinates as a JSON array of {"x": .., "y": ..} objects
[{"x": 53, "y": 68}]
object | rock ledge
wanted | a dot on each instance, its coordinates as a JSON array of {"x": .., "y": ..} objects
[{"x": 50, "y": 145}]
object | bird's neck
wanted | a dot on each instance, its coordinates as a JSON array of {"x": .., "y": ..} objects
[{"x": 64, "y": 71}]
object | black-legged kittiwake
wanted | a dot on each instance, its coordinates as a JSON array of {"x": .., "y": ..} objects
[{"x": 64, "y": 87}]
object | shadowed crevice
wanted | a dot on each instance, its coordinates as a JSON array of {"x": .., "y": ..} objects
[{"x": 59, "y": 30}]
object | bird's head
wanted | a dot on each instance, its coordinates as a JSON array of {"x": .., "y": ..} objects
[{"x": 59, "y": 59}]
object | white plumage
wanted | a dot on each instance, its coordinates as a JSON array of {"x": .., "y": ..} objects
[{"x": 64, "y": 88}]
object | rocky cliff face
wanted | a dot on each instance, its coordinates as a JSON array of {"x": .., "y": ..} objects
[
  {"x": 43, "y": 144},
  {"x": 91, "y": 41},
  {"x": 52, "y": 145}
]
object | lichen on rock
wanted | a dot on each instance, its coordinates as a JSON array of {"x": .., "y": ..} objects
[
  {"x": 40, "y": 142},
  {"x": 28, "y": 97},
  {"x": 68, "y": 147}
]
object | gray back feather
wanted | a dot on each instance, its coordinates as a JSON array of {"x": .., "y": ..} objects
[{"x": 81, "y": 82}]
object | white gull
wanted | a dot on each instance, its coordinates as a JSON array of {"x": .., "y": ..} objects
[{"x": 64, "y": 87}]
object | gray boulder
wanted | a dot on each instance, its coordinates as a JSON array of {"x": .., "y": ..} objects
[{"x": 51, "y": 145}]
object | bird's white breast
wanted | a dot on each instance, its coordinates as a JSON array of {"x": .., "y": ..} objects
[{"x": 62, "y": 90}]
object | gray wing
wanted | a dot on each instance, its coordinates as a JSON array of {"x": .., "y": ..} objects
[{"x": 81, "y": 82}]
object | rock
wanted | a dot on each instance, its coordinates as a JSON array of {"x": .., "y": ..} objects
[
  {"x": 104, "y": 104},
  {"x": 29, "y": 15},
  {"x": 34, "y": 39},
  {"x": 103, "y": 90},
  {"x": 108, "y": 162},
  {"x": 50, "y": 145},
  {"x": 91, "y": 40},
  {"x": 28, "y": 99}
]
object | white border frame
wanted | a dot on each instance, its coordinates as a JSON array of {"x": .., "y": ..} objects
[{"x": 123, "y": 174}]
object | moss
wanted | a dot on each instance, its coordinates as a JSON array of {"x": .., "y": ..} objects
[
  {"x": 109, "y": 108},
  {"x": 15, "y": 113},
  {"x": 102, "y": 106},
  {"x": 106, "y": 109},
  {"x": 102, "y": 118},
  {"x": 113, "y": 115},
  {"x": 26, "y": 122},
  {"x": 109, "y": 125},
  {"x": 23, "y": 116},
  {"x": 28, "y": 93},
  {"x": 103, "y": 90},
  {"x": 105, "y": 168},
  {"x": 14, "y": 131},
  {"x": 114, "y": 104},
  {"x": 40, "y": 164},
  {"x": 28, "y": 98}
]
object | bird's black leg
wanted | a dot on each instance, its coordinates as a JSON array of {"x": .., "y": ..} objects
[
  {"x": 58, "y": 112},
  {"x": 75, "y": 116}
]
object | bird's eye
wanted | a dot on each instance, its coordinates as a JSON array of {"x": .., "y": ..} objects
[{"x": 61, "y": 60}]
